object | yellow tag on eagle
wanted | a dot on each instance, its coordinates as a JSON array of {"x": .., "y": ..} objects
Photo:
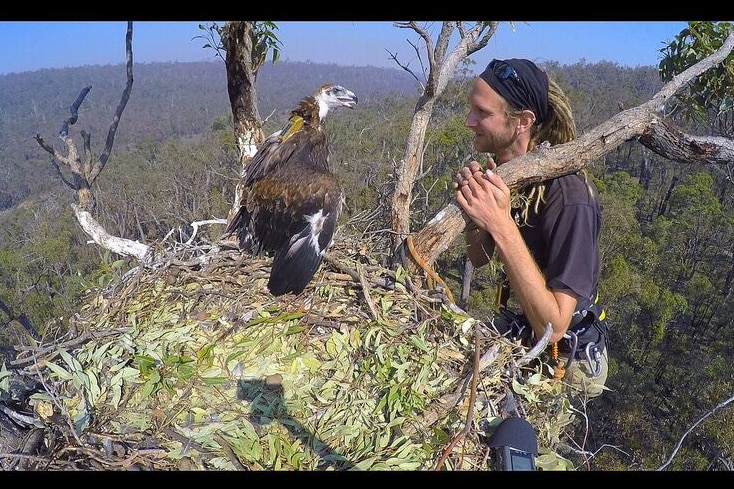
[{"x": 294, "y": 124}]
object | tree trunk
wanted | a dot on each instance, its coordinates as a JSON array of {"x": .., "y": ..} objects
[
  {"x": 441, "y": 67},
  {"x": 407, "y": 171},
  {"x": 237, "y": 38}
]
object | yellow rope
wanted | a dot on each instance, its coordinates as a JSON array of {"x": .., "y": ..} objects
[{"x": 427, "y": 269}]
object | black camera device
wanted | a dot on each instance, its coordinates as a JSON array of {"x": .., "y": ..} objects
[{"x": 515, "y": 445}]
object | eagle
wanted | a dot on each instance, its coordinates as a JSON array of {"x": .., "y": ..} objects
[{"x": 288, "y": 199}]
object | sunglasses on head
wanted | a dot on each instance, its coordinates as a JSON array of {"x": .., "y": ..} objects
[{"x": 504, "y": 71}]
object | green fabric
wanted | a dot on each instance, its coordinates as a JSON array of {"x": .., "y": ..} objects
[{"x": 579, "y": 379}]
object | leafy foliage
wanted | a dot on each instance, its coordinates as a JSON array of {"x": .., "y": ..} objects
[
  {"x": 711, "y": 94},
  {"x": 263, "y": 37},
  {"x": 216, "y": 375}
]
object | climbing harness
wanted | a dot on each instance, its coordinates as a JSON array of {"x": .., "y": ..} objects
[
  {"x": 591, "y": 353},
  {"x": 585, "y": 338}
]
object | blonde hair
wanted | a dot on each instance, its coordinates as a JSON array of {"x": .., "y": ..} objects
[{"x": 559, "y": 128}]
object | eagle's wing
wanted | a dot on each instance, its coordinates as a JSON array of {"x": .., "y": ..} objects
[
  {"x": 308, "y": 225},
  {"x": 271, "y": 154}
]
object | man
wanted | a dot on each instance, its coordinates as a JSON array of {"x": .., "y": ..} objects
[{"x": 547, "y": 236}]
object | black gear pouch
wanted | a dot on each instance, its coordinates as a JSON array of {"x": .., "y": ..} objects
[{"x": 512, "y": 326}]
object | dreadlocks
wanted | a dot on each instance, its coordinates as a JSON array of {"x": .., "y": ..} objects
[{"x": 558, "y": 129}]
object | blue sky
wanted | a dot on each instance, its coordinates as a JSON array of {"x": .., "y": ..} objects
[{"x": 30, "y": 46}]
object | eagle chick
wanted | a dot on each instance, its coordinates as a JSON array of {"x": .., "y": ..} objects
[{"x": 289, "y": 201}]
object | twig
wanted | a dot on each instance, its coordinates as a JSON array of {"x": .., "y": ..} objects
[
  {"x": 472, "y": 398},
  {"x": 366, "y": 291},
  {"x": 231, "y": 456},
  {"x": 196, "y": 225},
  {"x": 52, "y": 349},
  {"x": 538, "y": 348}
]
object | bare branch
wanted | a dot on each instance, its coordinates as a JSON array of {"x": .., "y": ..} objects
[
  {"x": 426, "y": 38},
  {"x": 394, "y": 57},
  {"x": 117, "y": 245},
  {"x": 83, "y": 174},
  {"x": 104, "y": 156},
  {"x": 688, "y": 432},
  {"x": 197, "y": 224},
  {"x": 669, "y": 142},
  {"x": 74, "y": 109},
  {"x": 68, "y": 183},
  {"x": 478, "y": 36}
]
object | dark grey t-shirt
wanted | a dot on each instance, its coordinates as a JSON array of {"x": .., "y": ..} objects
[{"x": 563, "y": 235}]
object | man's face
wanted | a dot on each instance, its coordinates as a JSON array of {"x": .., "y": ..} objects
[{"x": 493, "y": 130}]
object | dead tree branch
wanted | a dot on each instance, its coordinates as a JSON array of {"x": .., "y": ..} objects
[
  {"x": 83, "y": 171},
  {"x": 688, "y": 432}
]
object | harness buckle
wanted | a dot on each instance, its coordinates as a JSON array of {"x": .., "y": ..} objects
[{"x": 593, "y": 354}]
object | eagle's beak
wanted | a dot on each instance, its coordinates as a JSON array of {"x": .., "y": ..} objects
[{"x": 350, "y": 100}]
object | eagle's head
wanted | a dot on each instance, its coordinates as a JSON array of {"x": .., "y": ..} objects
[{"x": 330, "y": 96}]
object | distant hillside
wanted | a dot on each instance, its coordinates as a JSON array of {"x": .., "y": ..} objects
[
  {"x": 281, "y": 85},
  {"x": 182, "y": 100},
  {"x": 168, "y": 100}
]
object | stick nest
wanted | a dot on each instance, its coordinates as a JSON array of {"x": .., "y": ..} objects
[{"x": 193, "y": 365}]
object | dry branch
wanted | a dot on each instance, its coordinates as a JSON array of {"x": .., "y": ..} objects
[{"x": 83, "y": 172}]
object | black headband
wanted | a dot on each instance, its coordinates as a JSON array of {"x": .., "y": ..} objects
[{"x": 521, "y": 83}]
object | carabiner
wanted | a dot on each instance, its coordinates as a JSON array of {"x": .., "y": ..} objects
[
  {"x": 574, "y": 345},
  {"x": 595, "y": 361}
]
